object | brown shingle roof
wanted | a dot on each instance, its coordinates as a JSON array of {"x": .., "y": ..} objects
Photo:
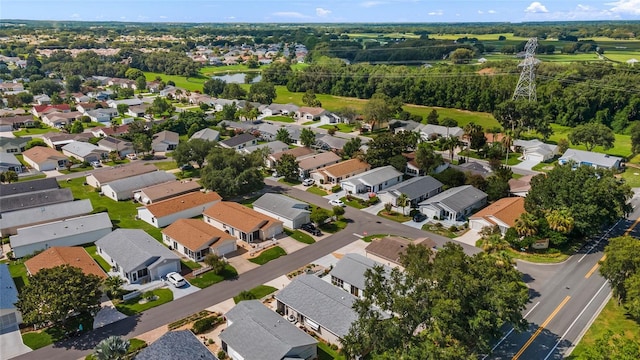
[
  {"x": 313, "y": 162},
  {"x": 169, "y": 189},
  {"x": 181, "y": 203},
  {"x": 240, "y": 217},
  {"x": 39, "y": 154},
  {"x": 506, "y": 210},
  {"x": 60, "y": 255},
  {"x": 346, "y": 167},
  {"x": 109, "y": 174},
  {"x": 195, "y": 234},
  {"x": 297, "y": 152},
  {"x": 391, "y": 247},
  {"x": 315, "y": 111}
]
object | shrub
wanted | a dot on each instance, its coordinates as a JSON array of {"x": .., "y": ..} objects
[
  {"x": 336, "y": 188},
  {"x": 453, "y": 228},
  {"x": 222, "y": 355},
  {"x": 205, "y": 324},
  {"x": 373, "y": 200}
]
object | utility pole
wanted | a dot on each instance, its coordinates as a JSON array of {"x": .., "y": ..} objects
[{"x": 526, "y": 88}]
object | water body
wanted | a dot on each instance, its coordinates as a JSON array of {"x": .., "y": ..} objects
[{"x": 239, "y": 78}]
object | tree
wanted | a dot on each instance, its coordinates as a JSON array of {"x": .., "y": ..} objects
[
  {"x": 378, "y": 110},
  {"x": 216, "y": 263},
  {"x": 612, "y": 346},
  {"x": 563, "y": 145},
  {"x": 56, "y": 293},
  {"x": 307, "y": 137},
  {"x": 461, "y": 56},
  {"x": 277, "y": 73},
  {"x": 245, "y": 295},
  {"x": 450, "y": 144},
  {"x": 319, "y": 215},
  {"x": 141, "y": 83},
  {"x": 497, "y": 187},
  {"x": 113, "y": 285},
  {"x": 195, "y": 150},
  {"x": 122, "y": 108},
  {"x": 427, "y": 159},
  {"x": 233, "y": 91},
  {"x": 141, "y": 143},
  {"x": 449, "y": 122},
  {"x": 403, "y": 201},
  {"x": 213, "y": 87},
  {"x": 338, "y": 211},
  {"x": 352, "y": 146},
  {"x": 133, "y": 74},
  {"x": 443, "y": 303},
  {"x": 262, "y": 92},
  {"x": 8, "y": 176},
  {"x": 76, "y": 127},
  {"x": 621, "y": 265},
  {"x": 159, "y": 106},
  {"x": 230, "y": 173},
  {"x": 433, "y": 116},
  {"x": 560, "y": 220},
  {"x": 526, "y": 225},
  {"x": 73, "y": 83},
  {"x": 283, "y": 135},
  {"x": 111, "y": 348},
  {"x": 592, "y": 135},
  {"x": 309, "y": 99},
  {"x": 347, "y": 114},
  {"x": 287, "y": 166}
]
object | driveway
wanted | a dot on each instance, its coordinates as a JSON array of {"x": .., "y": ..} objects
[
  {"x": 107, "y": 314},
  {"x": 413, "y": 224},
  {"x": 11, "y": 342},
  {"x": 375, "y": 209},
  {"x": 290, "y": 244},
  {"x": 469, "y": 238},
  {"x": 526, "y": 165},
  {"x": 182, "y": 291},
  {"x": 239, "y": 262}
]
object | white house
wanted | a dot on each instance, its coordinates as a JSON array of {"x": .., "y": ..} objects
[
  {"x": 536, "y": 150},
  {"x": 44, "y": 158},
  {"x": 239, "y": 142},
  {"x": 136, "y": 256},
  {"x": 243, "y": 223},
  {"x": 11, "y": 221},
  {"x": 123, "y": 189},
  {"x": 589, "y": 158},
  {"x": 155, "y": 193},
  {"x": 165, "y": 212},
  {"x": 372, "y": 181},
  {"x": 100, "y": 177},
  {"x": 502, "y": 213},
  {"x": 293, "y": 213},
  {"x": 454, "y": 204},
  {"x": 84, "y": 151},
  {"x": 165, "y": 141},
  {"x": 416, "y": 189},
  {"x": 10, "y": 316},
  {"x": 195, "y": 239}
]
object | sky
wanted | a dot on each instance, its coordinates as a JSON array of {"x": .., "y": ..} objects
[{"x": 322, "y": 11}]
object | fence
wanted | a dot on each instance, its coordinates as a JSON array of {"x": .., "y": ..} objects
[
  {"x": 202, "y": 270},
  {"x": 135, "y": 293}
]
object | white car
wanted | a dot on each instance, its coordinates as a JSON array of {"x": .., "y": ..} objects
[
  {"x": 96, "y": 164},
  {"x": 336, "y": 202},
  {"x": 308, "y": 182},
  {"x": 132, "y": 156},
  {"x": 176, "y": 279}
]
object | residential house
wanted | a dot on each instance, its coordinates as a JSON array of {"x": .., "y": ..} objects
[
  {"x": 11, "y": 221},
  {"x": 58, "y": 119},
  {"x": 430, "y": 132},
  {"x": 316, "y": 161},
  {"x": 372, "y": 181},
  {"x": 13, "y": 145},
  {"x": 32, "y": 199},
  {"x": 293, "y": 213},
  {"x": 330, "y": 143},
  {"x": 535, "y": 150},
  {"x": 101, "y": 177},
  {"x": 11, "y": 87},
  {"x": 390, "y": 249},
  {"x": 102, "y": 115},
  {"x": 75, "y": 256},
  {"x": 195, "y": 239},
  {"x": 297, "y": 152},
  {"x": 412, "y": 168},
  {"x": 136, "y": 256},
  {"x": 155, "y": 193},
  {"x": 349, "y": 273},
  {"x": 206, "y": 134},
  {"x": 28, "y": 186},
  {"x": 44, "y": 158},
  {"x": 10, "y": 316},
  {"x": 84, "y": 151},
  {"x": 334, "y": 174},
  {"x": 11, "y": 123},
  {"x": 245, "y": 224},
  {"x": 589, "y": 158},
  {"x": 279, "y": 109},
  {"x": 521, "y": 186},
  {"x": 165, "y": 141},
  {"x": 68, "y": 232},
  {"x": 118, "y": 130},
  {"x": 268, "y": 131},
  {"x": 57, "y": 140},
  {"x": 239, "y": 142},
  {"x": 85, "y": 107},
  {"x": 197, "y": 99},
  {"x": 40, "y": 110},
  {"x": 123, "y": 189},
  {"x": 416, "y": 189},
  {"x": 80, "y": 98},
  {"x": 122, "y": 147},
  {"x": 473, "y": 167},
  {"x": 137, "y": 110},
  {"x": 9, "y": 162},
  {"x": 254, "y": 332},
  {"x": 502, "y": 213},
  {"x": 271, "y": 146},
  {"x": 454, "y": 204},
  {"x": 310, "y": 113},
  {"x": 165, "y": 212},
  {"x": 42, "y": 99},
  {"x": 318, "y": 306},
  {"x": 129, "y": 102},
  {"x": 181, "y": 344}
]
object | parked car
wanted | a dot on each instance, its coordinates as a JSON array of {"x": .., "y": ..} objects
[
  {"x": 132, "y": 156},
  {"x": 419, "y": 217},
  {"x": 311, "y": 229},
  {"x": 308, "y": 182},
  {"x": 176, "y": 279},
  {"x": 96, "y": 164},
  {"x": 186, "y": 167},
  {"x": 336, "y": 202}
]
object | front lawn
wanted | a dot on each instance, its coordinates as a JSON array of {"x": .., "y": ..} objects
[
  {"x": 133, "y": 306},
  {"x": 325, "y": 352},
  {"x": 290, "y": 182},
  {"x": 91, "y": 250},
  {"x": 540, "y": 257},
  {"x": 343, "y": 128},
  {"x": 268, "y": 255},
  {"x": 450, "y": 232},
  {"x": 34, "y": 131},
  {"x": 394, "y": 215},
  {"x": 45, "y": 337},
  {"x": 631, "y": 176},
  {"x": 355, "y": 202},
  {"x": 209, "y": 278},
  {"x": 190, "y": 264},
  {"x": 34, "y": 177},
  {"x": 369, "y": 238},
  {"x": 300, "y": 236},
  {"x": 284, "y": 119},
  {"x": 166, "y": 165},
  {"x": 258, "y": 292},
  {"x": 18, "y": 273},
  {"x": 334, "y": 226},
  {"x": 316, "y": 190}
]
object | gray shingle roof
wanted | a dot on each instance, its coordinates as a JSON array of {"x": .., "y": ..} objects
[
  {"x": 457, "y": 198},
  {"x": 581, "y": 156},
  {"x": 5, "y": 141},
  {"x": 206, "y": 134},
  {"x": 274, "y": 147},
  {"x": 8, "y": 290},
  {"x": 59, "y": 229},
  {"x": 80, "y": 148},
  {"x": 9, "y": 159},
  {"x": 44, "y": 213},
  {"x": 141, "y": 181},
  {"x": 415, "y": 187},
  {"x": 376, "y": 176},
  {"x": 351, "y": 269},
  {"x": 332, "y": 142},
  {"x": 181, "y": 344},
  {"x": 238, "y": 140},
  {"x": 131, "y": 248},
  {"x": 28, "y": 186},
  {"x": 321, "y": 302},
  {"x": 281, "y": 205},
  {"x": 34, "y": 199},
  {"x": 258, "y": 333}
]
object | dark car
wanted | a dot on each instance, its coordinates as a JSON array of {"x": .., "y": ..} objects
[
  {"x": 419, "y": 217},
  {"x": 311, "y": 229},
  {"x": 186, "y": 167}
]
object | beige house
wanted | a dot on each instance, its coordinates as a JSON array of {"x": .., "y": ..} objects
[
  {"x": 245, "y": 224},
  {"x": 195, "y": 239},
  {"x": 44, "y": 158},
  {"x": 335, "y": 173}
]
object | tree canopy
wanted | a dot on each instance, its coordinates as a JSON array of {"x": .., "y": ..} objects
[
  {"x": 622, "y": 268},
  {"x": 195, "y": 150},
  {"x": 592, "y": 135},
  {"x": 230, "y": 173}
]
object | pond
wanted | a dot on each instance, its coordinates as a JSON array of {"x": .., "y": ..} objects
[{"x": 239, "y": 78}]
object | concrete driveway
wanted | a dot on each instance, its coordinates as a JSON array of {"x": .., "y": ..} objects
[
  {"x": 182, "y": 291},
  {"x": 470, "y": 237},
  {"x": 11, "y": 344},
  {"x": 413, "y": 224},
  {"x": 526, "y": 165},
  {"x": 290, "y": 244},
  {"x": 238, "y": 260}
]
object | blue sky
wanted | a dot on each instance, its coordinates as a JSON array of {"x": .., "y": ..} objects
[{"x": 306, "y": 11}]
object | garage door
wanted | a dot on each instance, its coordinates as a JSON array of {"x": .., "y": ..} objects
[
  {"x": 226, "y": 248},
  {"x": 477, "y": 224},
  {"x": 8, "y": 321},
  {"x": 163, "y": 270},
  {"x": 535, "y": 157}
]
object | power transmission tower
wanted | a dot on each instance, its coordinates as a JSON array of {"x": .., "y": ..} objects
[{"x": 526, "y": 88}]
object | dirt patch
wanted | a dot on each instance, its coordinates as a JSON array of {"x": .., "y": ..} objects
[{"x": 487, "y": 71}]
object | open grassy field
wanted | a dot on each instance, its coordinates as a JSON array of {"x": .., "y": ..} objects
[
  {"x": 218, "y": 70},
  {"x": 395, "y": 35},
  {"x": 191, "y": 84}
]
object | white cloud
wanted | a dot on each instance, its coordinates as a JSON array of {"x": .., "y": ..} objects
[
  {"x": 491, "y": 12},
  {"x": 480, "y": 12},
  {"x": 290, "y": 14},
  {"x": 626, "y": 7},
  {"x": 163, "y": 17},
  {"x": 230, "y": 18},
  {"x": 322, "y": 12},
  {"x": 536, "y": 7},
  {"x": 436, "y": 13},
  {"x": 369, "y": 4},
  {"x": 75, "y": 16},
  {"x": 581, "y": 7}
]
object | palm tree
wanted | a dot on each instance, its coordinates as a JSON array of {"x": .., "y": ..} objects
[
  {"x": 507, "y": 142},
  {"x": 469, "y": 130},
  {"x": 9, "y": 176},
  {"x": 111, "y": 348},
  {"x": 451, "y": 143},
  {"x": 402, "y": 201},
  {"x": 560, "y": 220},
  {"x": 526, "y": 225}
]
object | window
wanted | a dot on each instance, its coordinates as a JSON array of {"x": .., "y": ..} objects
[
  {"x": 143, "y": 272},
  {"x": 337, "y": 282}
]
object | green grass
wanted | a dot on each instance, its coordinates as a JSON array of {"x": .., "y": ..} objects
[
  {"x": 34, "y": 131},
  {"x": 544, "y": 167},
  {"x": 34, "y": 177},
  {"x": 613, "y": 318},
  {"x": 224, "y": 69},
  {"x": 37, "y": 340},
  {"x": 344, "y": 128},
  {"x": 440, "y": 230},
  {"x": 191, "y": 264},
  {"x": 325, "y": 352},
  {"x": 92, "y": 250},
  {"x": 334, "y": 226},
  {"x": 290, "y": 182},
  {"x": 268, "y": 255},
  {"x": 191, "y": 84},
  {"x": 309, "y": 123},
  {"x": 395, "y": 216},
  {"x": 166, "y": 165},
  {"x": 369, "y": 238},
  {"x": 209, "y": 278},
  {"x": 136, "y": 345},
  {"x": 133, "y": 307},
  {"x": 76, "y": 169},
  {"x": 300, "y": 236},
  {"x": 541, "y": 258},
  {"x": 354, "y": 202},
  {"x": 463, "y": 117},
  {"x": 259, "y": 292},
  {"x": 18, "y": 273},
  {"x": 284, "y": 119},
  {"x": 631, "y": 176},
  {"x": 316, "y": 190}
]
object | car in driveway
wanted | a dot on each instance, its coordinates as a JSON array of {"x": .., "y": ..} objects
[
  {"x": 132, "y": 156},
  {"x": 96, "y": 164},
  {"x": 336, "y": 202},
  {"x": 176, "y": 279},
  {"x": 419, "y": 217},
  {"x": 308, "y": 182},
  {"x": 311, "y": 229}
]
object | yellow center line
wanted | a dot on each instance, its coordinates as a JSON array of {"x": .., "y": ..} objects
[
  {"x": 544, "y": 324},
  {"x": 593, "y": 269},
  {"x": 632, "y": 226}
]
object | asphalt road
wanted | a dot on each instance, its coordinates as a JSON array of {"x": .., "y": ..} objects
[
  {"x": 180, "y": 308},
  {"x": 564, "y": 303}
]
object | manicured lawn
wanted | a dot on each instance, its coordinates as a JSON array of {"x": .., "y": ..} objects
[
  {"x": 133, "y": 307},
  {"x": 166, "y": 165},
  {"x": 94, "y": 254},
  {"x": 316, "y": 190},
  {"x": 395, "y": 216},
  {"x": 136, "y": 345},
  {"x": 219, "y": 70},
  {"x": 354, "y": 202},
  {"x": 612, "y": 317},
  {"x": 284, "y": 119},
  {"x": 34, "y": 177},
  {"x": 463, "y": 117},
  {"x": 369, "y": 238},
  {"x": 631, "y": 176},
  {"x": 544, "y": 166},
  {"x": 290, "y": 182},
  {"x": 34, "y": 131},
  {"x": 36, "y": 340},
  {"x": 440, "y": 230},
  {"x": 309, "y": 123},
  {"x": 542, "y": 258},
  {"x": 79, "y": 168},
  {"x": 191, "y": 264},
  {"x": 192, "y": 83},
  {"x": 259, "y": 292},
  {"x": 325, "y": 352},
  {"x": 345, "y": 128},
  {"x": 209, "y": 278},
  {"x": 300, "y": 236},
  {"x": 18, "y": 273},
  {"x": 334, "y": 226},
  {"x": 268, "y": 255}
]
